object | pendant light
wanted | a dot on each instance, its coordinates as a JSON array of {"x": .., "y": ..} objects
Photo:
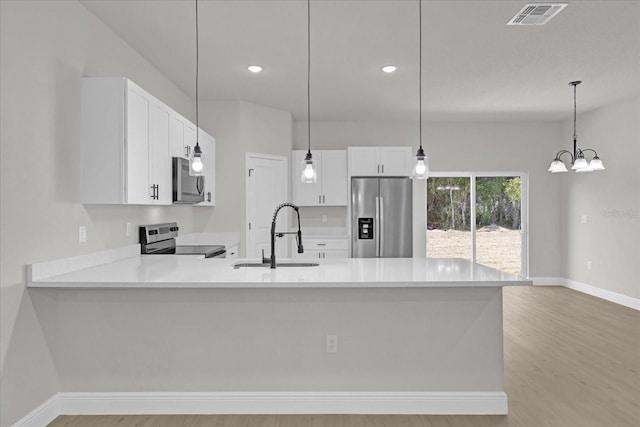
[
  {"x": 578, "y": 162},
  {"x": 197, "y": 166},
  {"x": 421, "y": 170},
  {"x": 309, "y": 175}
]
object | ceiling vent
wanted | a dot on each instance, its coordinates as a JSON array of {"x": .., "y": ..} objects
[{"x": 536, "y": 13}]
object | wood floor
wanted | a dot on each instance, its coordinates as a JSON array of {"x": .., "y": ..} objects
[{"x": 571, "y": 360}]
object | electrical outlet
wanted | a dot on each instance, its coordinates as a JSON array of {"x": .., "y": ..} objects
[
  {"x": 324, "y": 218},
  {"x": 588, "y": 265},
  {"x": 129, "y": 228},
  {"x": 332, "y": 343},
  {"x": 585, "y": 219},
  {"x": 82, "y": 234}
]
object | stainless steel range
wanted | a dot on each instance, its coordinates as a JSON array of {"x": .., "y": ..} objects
[{"x": 158, "y": 239}]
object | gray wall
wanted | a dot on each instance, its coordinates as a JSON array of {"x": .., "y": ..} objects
[
  {"x": 610, "y": 199},
  {"x": 46, "y": 48},
  {"x": 239, "y": 128},
  {"x": 466, "y": 146}
]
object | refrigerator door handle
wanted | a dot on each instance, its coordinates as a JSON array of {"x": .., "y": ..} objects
[
  {"x": 381, "y": 226},
  {"x": 377, "y": 227}
]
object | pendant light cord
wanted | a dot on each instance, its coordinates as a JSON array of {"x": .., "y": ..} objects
[
  {"x": 197, "y": 69},
  {"x": 420, "y": 69},
  {"x": 309, "y": 76}
]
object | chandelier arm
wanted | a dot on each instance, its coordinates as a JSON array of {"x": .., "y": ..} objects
[
  {"x": 561, "y": 152},
  {"x": 595, "y": 154}
]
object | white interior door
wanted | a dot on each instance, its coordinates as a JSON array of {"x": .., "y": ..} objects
[{"x": 266, "y": 189}]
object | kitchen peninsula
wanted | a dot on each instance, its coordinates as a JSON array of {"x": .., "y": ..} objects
[{"x": 404, "y": 335}]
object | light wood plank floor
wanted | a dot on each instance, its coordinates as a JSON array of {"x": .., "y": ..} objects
[{"x": 571, "y": 360}]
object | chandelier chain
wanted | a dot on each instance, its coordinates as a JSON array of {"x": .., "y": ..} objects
[{"x": 575, "y": 109}]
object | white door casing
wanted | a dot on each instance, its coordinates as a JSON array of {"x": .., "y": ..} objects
[{"x": 266, "y": 188}]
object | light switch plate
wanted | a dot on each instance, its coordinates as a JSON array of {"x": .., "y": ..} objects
[
  {"x": 82, "y": 234},
  {"x": 585, "y": 219}
]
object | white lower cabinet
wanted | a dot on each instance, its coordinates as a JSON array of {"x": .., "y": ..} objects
[
  {"x": 232, "y": 252},
  {"x": 322, "y": 248}
]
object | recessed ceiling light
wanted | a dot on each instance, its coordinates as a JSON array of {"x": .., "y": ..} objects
[
  {"x": 254, "y": 68},
  {"x": 389, "y": 68}
]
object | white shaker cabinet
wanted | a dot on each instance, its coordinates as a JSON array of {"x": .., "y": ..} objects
[
  {"x": 183, "y": 136},
  {"x": 380, "y": 161},
  {"x": 208, "y": 147},
  {"x": 331, "y": 186},
  {"x": 322, "y": 248},
  {"x": 125, "y": 134},
  {"x": 183, "y": 142}
]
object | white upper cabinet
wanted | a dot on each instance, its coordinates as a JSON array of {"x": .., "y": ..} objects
[
  {"x": 125, "y": 135},
  {"x": 183, "y": 136},
  {"x": 331, "y": 186},
  {"x": 208, "y": 147},
  {"x": 380, "y": 161},
  {"x": 128, "y": 139}
]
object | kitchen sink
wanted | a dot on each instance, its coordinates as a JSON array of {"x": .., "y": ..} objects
[{"x": 278, "y": 264}]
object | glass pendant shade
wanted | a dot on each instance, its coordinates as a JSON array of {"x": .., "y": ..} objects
[
  {"x": 196, "y": 164},
  {"x": 596, "y": 164},
  {"x": 309, "y": 175},
  {"x": 421, "y": 170},
  {"x": 557, "y": 166},
  {"x": 579, "y": 164},
  {"x": 587, "y": 169}
]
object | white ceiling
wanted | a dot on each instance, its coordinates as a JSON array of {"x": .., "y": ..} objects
[{"x": 475, "y": 67}]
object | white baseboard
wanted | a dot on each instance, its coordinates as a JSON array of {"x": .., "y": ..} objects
[
  {"x": 615, "y": 297},
  {"x": 436, "y": 403},
  {"x": 594, "y": 291},
  {"x": 42, "y": 415},
  {"x": 548, "y": 281}
]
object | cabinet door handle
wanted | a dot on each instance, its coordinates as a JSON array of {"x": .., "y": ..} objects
[
  {"x": 323, "y": 254},
  {"x": 323, "y": 201},
  {"x": 319, "y": 199},
  {"x": 382, "y": 168},
  {"x": 321, "y": 244},
  {"x": 208, "y": 196},
  {"x": 378, "y": 168},
  {"x": 318, "y": 254},
  {"x": 157, "y": 191}
]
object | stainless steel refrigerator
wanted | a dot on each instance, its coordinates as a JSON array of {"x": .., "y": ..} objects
[{"x": 381, "y": 217}]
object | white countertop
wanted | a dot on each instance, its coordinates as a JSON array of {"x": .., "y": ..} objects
[{"x": 176, "y": 271}]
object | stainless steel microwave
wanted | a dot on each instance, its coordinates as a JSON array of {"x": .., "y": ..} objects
[{"x": 187, "y": 189}]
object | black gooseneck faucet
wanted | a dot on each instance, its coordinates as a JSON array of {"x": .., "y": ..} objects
[{"x": 280, "y": 234}]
